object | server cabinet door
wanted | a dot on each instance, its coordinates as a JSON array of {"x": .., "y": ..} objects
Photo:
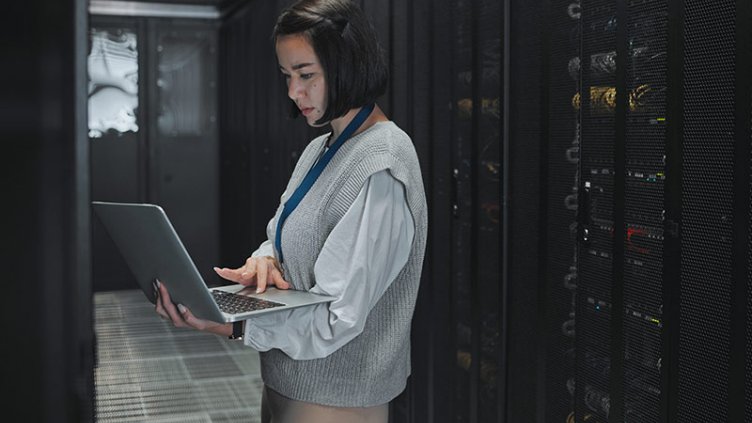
[
  {"x": 116, "y": 134},
  {"x": 184, "y": 137},
  {"x": 153, "y": 132}
]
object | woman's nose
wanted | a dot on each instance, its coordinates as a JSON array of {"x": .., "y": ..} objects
[{"x": 294, "y": 89}]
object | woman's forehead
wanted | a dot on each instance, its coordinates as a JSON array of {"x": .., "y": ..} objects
[{"x": 295, "y": 50}]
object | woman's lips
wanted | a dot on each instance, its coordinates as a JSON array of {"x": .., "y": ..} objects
[{"x": 306, "y": 111}]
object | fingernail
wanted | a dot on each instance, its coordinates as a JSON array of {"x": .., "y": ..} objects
[
  {"x": 158, "y": 284},
  {"x": 216, "y": 269},
  {"x": 258, "y": 290},
  {"x": 245, "y": 275},
  {"x": 181, "y": 308}
]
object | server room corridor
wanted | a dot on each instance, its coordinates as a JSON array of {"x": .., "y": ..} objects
[{"x": 587, "y": 173}]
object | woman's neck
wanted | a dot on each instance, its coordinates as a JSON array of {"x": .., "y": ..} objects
[{"x": 339, "y": 124}]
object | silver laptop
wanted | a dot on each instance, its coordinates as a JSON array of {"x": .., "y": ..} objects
[{"x": 153, "y": 250}]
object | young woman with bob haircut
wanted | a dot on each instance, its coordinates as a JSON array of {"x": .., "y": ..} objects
[{"x": 351, "y": 223}]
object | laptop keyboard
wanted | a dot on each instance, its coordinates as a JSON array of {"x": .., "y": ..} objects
[{"x": 234, "y": 304}]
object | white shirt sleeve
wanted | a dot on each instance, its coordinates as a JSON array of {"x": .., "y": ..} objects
[
  {"x": 265, "y": 249},
  {"x": 362, "y": 256}
]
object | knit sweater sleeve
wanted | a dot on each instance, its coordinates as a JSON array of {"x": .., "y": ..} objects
[{"x": 361, "y": 257}]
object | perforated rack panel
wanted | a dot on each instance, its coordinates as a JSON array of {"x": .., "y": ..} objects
[
  {"x": 707, "y": 194},
  {"x": 563, "y": 185},
  {"x": 596, "y": 101},
  {"x": 645, "y": 139}
]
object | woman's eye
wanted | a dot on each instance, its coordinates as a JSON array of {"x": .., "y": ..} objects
[{"x": 306, "y": 75}]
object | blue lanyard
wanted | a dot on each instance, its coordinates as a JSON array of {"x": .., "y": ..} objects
[{"x": 315, "y": 171}]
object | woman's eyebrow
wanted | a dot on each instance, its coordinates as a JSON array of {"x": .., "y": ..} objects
[
  {"x": 301, "y": 65},
  {"x": 296, "y": 66}
]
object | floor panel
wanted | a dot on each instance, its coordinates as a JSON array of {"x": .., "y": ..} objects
[{"x": 149, "y": 371}]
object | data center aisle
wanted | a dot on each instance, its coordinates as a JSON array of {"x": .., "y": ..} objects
[{"x": 147, "y": 370}]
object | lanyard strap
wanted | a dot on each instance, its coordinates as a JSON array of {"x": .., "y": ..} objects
[{"x": 315, "y": 172}]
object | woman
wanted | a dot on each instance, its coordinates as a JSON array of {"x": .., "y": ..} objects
[{"x": 351, "y": 224}]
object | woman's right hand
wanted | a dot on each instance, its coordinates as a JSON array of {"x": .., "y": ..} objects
[
  {"x": 181, "y": 317},
  {"x": 257, "y": 271}
]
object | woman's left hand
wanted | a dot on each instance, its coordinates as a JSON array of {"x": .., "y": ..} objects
[
  {"x": 257, "y": 271},
  {"x": 181, "y": 317}
]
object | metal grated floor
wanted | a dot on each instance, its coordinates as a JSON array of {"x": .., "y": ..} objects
[{"x": 149, "y": 371}]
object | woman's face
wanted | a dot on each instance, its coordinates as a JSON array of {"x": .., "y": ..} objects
[{"x": 306, "y": 85}]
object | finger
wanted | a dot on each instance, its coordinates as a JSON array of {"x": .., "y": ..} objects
[
  {"x": 279, "y": 281},
  {"x": 230, "y": 274},
  {"x": 158, "y": 308},
  {"x": 250, "y": 272},
  {"x": 176, "y": 317},
  {"x": 190, "y": 319},
  {"x": 162, "y": 292},
  {"x": 170, "y": 308},
  {"x": 261, "y": 276},
  {"x": 224, "y": 329}
]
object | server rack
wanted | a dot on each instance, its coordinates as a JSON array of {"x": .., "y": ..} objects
[
  {"x": 662, "y": 271},
  {"x": 619, "y": 301}
]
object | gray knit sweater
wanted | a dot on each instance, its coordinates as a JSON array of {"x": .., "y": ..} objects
[{"x": 373, "y": 368}]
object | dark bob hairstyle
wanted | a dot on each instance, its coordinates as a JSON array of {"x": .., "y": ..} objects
[{"x": 346, "y": 44}]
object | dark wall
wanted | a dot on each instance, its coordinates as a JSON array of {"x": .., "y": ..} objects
[{"x": 46, "y": 373}]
